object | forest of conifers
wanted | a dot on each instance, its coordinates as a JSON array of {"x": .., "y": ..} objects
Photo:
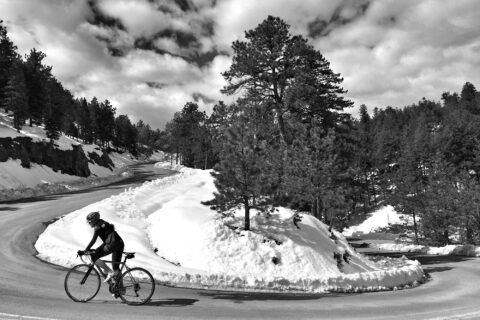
[{"x": 288, "y": 139}]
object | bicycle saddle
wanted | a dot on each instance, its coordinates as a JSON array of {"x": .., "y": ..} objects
[{"x": 129, "y": 255}]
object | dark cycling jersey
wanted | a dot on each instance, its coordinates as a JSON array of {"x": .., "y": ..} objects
[{"x": 106, "y": 232}]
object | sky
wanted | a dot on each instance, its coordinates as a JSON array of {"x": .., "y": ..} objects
[
  {"x": 185, "y": 243},
  {"x": 151, "y": 57}
]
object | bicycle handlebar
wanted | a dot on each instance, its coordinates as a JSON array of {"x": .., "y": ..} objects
[{"x": 81, "y": 253}]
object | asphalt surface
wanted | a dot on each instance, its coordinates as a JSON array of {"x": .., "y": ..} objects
[{"x": 33, "y": 289}]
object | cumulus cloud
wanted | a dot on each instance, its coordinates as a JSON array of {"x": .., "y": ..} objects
[
  {"x": 401, "y": 51},
  {"x": 150, "y": 57}
]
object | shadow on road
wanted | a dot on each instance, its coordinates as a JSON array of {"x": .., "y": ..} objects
[
  {"x": 429, "y": 259},
  {"x": 171, "y": 302},
  {"x": 437, "y": 269},
  {"x": 240, "y": 297},
  {"x": 8, "y": 208}
]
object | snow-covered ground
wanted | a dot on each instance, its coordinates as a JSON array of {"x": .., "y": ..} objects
[
  {"x": 386, "y": 216},
  {"x": 381, "y": 218},
  {"x": 185, "y": 243}
]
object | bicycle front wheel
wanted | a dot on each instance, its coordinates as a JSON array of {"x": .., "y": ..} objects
[
  {"x": 136, "y": 286},
  {"x": 78, "y": 291}
]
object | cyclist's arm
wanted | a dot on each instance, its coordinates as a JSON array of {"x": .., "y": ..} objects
[{"x": 94, "y": 239}]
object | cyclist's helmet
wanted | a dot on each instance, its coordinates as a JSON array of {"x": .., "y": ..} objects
[{"x": 93, "y": 217}]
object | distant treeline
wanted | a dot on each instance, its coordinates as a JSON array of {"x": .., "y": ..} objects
[
  {"x": 35, "y": 96},
  {"x": 425, "y": 159}
]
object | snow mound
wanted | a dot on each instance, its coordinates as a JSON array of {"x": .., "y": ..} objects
[{"x": 185, "y": 243}]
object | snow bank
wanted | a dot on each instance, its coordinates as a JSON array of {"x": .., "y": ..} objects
[
  {"x": 185, "y": 243},
  {"x": 459, "y": 250}
]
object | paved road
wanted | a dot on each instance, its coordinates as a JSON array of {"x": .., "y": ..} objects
[{"x": 32, "y": 289}]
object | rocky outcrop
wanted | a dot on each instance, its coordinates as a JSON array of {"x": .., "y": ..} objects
[
  {"x": 73, "y": 162},
  {"x": 103, "y": 160}
]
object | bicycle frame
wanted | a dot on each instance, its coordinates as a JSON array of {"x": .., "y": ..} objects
[{"x": 122, "y": 265}]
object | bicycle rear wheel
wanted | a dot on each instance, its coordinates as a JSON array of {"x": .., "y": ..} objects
[
  {"x": 136, "y": 286},
  {"x": 77, "y": 291}
]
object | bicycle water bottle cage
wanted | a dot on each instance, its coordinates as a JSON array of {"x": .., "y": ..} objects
[{"x": 130, "y": 255}]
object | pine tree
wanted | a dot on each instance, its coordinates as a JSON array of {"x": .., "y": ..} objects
[
  {"x": 8, "y": 57},
  {"x": 125, "y": 134},
  {"x": 189, "y": 135},
  {"x": 365, "y": 175},
  {"x": 85, "y": 121},
  {"x": 287, "y": 74},
  {"x": 15, "y": 96},
  {"x": 58, "y": 102},
  {"x": 105, "y": 123},
  {"x": 36, "y": 75},
  {"x": 95, "y": 119},
  {"x": 242, "y": 153},
  {"x": 469, "y": 98}
]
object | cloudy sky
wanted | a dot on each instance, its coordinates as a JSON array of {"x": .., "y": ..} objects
[{"x": 150, "y": 57}]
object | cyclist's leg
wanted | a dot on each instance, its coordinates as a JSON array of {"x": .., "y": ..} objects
[
  {"x": 101, "y": 252},
  {"x": 117, "y": 257}
]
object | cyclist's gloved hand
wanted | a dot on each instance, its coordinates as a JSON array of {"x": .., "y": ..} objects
[{"x": 80, "y": 252}]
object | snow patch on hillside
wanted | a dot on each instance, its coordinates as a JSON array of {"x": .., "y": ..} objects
[{"x": 381, "y": 218}]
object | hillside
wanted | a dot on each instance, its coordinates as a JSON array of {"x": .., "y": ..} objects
[{"x": 14, "y": 176}]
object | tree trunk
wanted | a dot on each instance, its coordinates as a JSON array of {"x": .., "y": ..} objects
[
  {"x": 281, "y": 126},
  {"x": 446, "y": 238},
  {"x": 247, "y": 213},
  {"x": 374, "y": 194},
  {"x": 415, "y": 228}
]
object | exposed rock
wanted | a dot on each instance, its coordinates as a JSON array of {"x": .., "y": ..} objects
[{"x": 73, "y": 162}]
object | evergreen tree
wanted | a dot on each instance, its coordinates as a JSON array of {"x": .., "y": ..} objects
[
  {"x": 365, "y": 180},
  {"x": 36, "y": 75},
  {"x": 105, "y": 123},
  {"x": 85, "y": 121},
  {"x": 8, "y": 57},
  {"x": 95, "y": 119},
  {"x": 125, "y": 134},
  {"x": 287, "y": 74},
  {"x": 58, "y": 103},
  {"x": 15, "y": 96},
  {"x": 469, "y": 98},
  {"x": 238, "y": 175},
  {"x": 189, "y": 135}
]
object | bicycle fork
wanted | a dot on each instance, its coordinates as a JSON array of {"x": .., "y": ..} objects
[{"x": 86, "y": 275}]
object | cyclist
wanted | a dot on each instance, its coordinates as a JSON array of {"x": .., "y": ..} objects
[{"x": 112, "y": 243}]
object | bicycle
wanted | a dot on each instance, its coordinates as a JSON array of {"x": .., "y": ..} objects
[{"x": 135, "y": 286}]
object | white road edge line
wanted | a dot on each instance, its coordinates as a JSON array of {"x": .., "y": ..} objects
[{"x": 18, "y": 316}]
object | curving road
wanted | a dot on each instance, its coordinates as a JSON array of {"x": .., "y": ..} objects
[{"x": 32, "y": 289}]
